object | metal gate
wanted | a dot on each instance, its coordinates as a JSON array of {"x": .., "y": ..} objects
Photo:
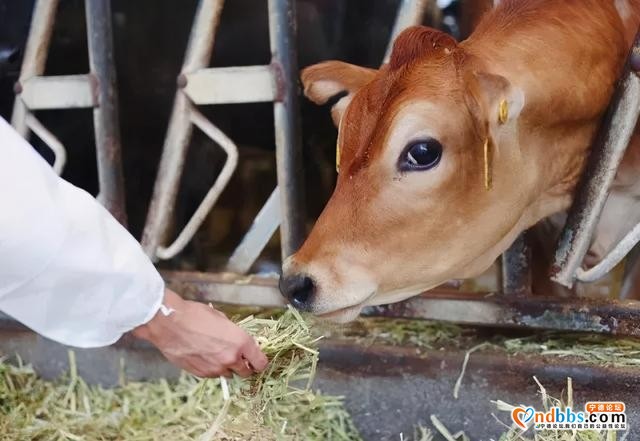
[{"x": 276, "y": 82}]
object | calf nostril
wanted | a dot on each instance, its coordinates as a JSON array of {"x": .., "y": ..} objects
[{"x": 299, "y": 289}]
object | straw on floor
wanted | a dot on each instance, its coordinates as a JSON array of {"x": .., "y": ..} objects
[{"x": 278, "y": 404}]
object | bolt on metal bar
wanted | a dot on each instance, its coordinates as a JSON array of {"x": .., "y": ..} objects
[
  {"x": 105, "y": 114},
  {"x": 614, "y": 136},
  {"x": 35, "y": 57},
  {"x": 286, "y": 113},
  {"x": 198, "y": 56},
  {"x": 410, "y": 13},
  {"x": 213, "y": 194},
  {"x": 516, "y": 267}
]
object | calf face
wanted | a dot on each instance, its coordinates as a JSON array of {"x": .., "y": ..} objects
[{"x": 420, "y": 193}]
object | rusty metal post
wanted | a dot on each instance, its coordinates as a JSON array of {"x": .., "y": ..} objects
[
  {"x": 286, "y": 111},
  {"x": 614, "y": 136},
  {"x": 35, "y": 57},
  {"x": 105, "y": 114},
  {"x": 198, "y": 56},
  {"x": 516, "y": 267}
]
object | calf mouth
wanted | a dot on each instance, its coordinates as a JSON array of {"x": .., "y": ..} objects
[
  {"x": 342, "y": 315},
  {"x": 345, "y": 314}
]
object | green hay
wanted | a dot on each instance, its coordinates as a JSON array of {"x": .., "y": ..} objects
[
  {"x": 424, "y": 334},
  {"x": 593, "y": 349},
  {"x": 277, "y": 404},
  {"x": 600, "y": 350}
]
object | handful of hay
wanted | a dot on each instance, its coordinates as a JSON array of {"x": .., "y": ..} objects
[{"x": 277, "y": 404}]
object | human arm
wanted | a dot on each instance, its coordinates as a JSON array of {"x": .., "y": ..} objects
[{"x": 71, "y": 272}]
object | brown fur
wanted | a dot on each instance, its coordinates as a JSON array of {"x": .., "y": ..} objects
[{"x": 386, "y": 235}]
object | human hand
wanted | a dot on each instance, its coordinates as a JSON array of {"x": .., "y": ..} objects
[{"x": 202, "y": 340}]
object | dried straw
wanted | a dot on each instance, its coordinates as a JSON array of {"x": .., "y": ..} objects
[{"x": 278, "y": 404}]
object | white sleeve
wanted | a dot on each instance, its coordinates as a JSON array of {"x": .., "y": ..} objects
[{"x": 68, "y": 269}]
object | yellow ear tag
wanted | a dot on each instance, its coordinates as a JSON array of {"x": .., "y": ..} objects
[
  {"x": 488, "y": 180},
  {"x": 338, "y": 146},
  {"x": 503, "y": 112}
]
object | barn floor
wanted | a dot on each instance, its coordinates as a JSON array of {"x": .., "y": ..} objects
[{"x": 388, "y": 389}]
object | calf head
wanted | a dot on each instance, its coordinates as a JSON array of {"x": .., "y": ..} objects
[{"x": 429, "y": 183}]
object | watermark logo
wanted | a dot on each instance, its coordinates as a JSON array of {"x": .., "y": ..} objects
[
  {"x": 597, "y": 415},
  {"x": 522, "y": 416}
]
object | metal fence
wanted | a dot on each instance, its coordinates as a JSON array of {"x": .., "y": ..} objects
[
  {"x": 96, "y": 90},
  {"x": 198, "y": 84}
]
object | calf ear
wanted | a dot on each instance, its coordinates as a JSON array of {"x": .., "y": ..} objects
[
  {"x": 494, "y": 105},
  {"x": 328, "y": 79},
  {"x": 492, "y": 100}
]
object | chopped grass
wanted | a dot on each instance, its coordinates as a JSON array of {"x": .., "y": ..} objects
[
  {"x": 592, "y": 349},
  {"x": 277, "y": 404},
  {"x": 424, "y": 334}
]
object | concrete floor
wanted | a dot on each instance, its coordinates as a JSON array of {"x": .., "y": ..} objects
[{"x": 391, "y": 390}]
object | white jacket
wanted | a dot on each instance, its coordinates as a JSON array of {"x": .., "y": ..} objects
[{"x": 68, "y": 269}]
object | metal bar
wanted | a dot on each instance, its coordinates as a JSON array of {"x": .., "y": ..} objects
[
  {"x": 612, "y": 259},
  {"x": 264, "y": 225},
  {"x": 602, "y": 315},
  {"x": 615, "y": 134},
  {"x": 35, "y": 57},
  {"x": 213, "y": 194},
  {"x": 230, "y": 85},
  {"x": 60, "y": 153},
  {"x": 410, "y": 13},
  {"x": 525, "y": 312},
  {"x": 59, "y": 92},
  {"x": 105, "y": 114},
  {"x": 286, "y": 111},
  {"x": 516, "y": 268},
  {"x": 226, "y": 288},
  {"x": 163, "y": 201}
]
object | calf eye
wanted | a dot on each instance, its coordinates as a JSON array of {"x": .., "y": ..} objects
[{"x": 421, "y": 155}]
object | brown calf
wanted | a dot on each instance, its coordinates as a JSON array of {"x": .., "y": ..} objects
[{"x": 453, "y": 149}]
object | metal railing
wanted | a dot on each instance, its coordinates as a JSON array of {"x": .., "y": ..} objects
[
  {"x": 617, "y": 129},
  {"x": 199, "y": 84},
  {"x": 96, "y": 90}
]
